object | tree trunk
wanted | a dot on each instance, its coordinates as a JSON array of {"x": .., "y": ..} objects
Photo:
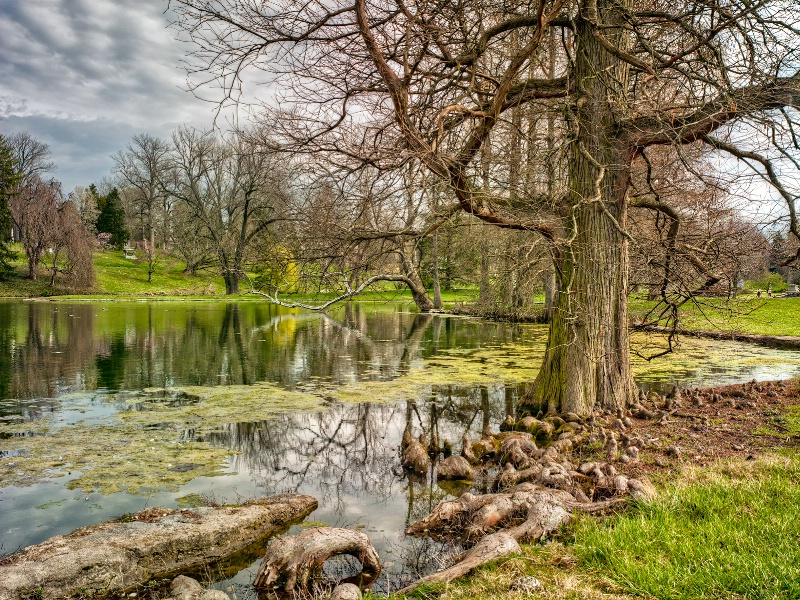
[
  {"x": 549, "y": 294},
  {"x": 587, "y": 362},
  {"x": 231, "y": 282},
  {"x": 414, "y": 282},
  {"x": 437, "y": 288}
]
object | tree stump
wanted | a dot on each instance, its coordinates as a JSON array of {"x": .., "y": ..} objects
[{"x": 291, "y": 562}]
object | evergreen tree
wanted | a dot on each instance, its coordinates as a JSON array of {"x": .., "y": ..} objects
[
  {"x": 112, "y": 217},
  {"x": 9, "y": 177}
]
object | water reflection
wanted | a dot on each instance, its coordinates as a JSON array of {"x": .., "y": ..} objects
[
  {"x": 51, "y": 349},
  {"x": 348, "y": 458},
  {"x": 54, "y": 358}
]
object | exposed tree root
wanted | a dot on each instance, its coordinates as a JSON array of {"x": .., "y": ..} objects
[{"x": 290, "y": 563}]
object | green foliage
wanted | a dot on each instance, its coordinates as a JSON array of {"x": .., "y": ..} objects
[
  {"x": 775, "y": 281},
  {"x": 278, "y": 272},
  {"x": 9, "y": 177},
  {"x": 731, "y": 533},
  {"x": 111, "y": 218}
]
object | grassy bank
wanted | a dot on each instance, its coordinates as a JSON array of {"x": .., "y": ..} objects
[
  {"x": 117, "y": 277},
  {"x": 727, "y": 531},
  {"x": 745, "y": 314}
]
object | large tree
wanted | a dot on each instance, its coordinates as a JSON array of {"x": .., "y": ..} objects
[
  {"x": 439, "y": 82},
  {"x": 234, "y": 190}
]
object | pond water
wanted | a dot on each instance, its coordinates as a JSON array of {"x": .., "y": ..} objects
[{"x": 108, "y": 408}]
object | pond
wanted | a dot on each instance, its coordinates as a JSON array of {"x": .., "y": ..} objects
[{"x": 108, "y": 408}]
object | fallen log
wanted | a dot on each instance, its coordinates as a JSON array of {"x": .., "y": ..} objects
[
  {"x": 113, "y": 557},
  {"x": 291, "y": 563}
]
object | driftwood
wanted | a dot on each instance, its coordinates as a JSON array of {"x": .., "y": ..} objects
[
  {"x": 290, "y": 563},
  {"x": 113, "y": 557}
]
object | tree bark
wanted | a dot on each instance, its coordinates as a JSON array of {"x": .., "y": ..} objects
[
  {"x": 291, "y": 562},
  {"x": 587, "y": 360},
  {"x": 231, "y": 282}
]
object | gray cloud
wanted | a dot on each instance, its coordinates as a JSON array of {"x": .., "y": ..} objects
[{"x": 86, "y": 75}]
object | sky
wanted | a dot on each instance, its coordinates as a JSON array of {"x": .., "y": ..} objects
[{"x": 85, "y": 76}]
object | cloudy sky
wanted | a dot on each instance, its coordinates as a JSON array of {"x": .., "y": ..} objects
[{"x": 85, "y": 76}]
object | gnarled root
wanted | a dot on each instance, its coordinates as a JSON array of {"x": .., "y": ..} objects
[
  {"x": 291, "y": 562},
  {"x": 546, "y": 512}
]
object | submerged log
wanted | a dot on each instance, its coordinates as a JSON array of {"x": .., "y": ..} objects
[
  {"x": 290, "y": 563},
  {"x": 116, "y": 556}
]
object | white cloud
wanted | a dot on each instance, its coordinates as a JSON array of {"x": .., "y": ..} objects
[{"x": 86, "y": 75}]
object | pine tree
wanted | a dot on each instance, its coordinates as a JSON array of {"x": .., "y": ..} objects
[
  {"x": 112, "y": 217},
  {"x": 9, "y": 177}
]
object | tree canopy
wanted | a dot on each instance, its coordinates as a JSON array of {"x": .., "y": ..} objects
[{"x": 535, "y": 115}]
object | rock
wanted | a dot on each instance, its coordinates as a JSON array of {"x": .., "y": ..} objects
[
  {"x": 212, "y": 594},
  {"x": 674, "y": 451},
  {"x": 633, "y": 452},
  {"x": 641, "y": 489},
  {"x": 455, "y": 467},
  {"x": 186, "y": 588},
  {"x": 346, "y": 591},
  {"x": 621, "y": 484},
  {"x": 112, "y": 557},
  {"x": 526, "y": 584}
]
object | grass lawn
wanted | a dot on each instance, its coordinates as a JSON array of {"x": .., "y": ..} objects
[
  {"x": 117, "y": 277},
  {"x": 745, "y": 314}
]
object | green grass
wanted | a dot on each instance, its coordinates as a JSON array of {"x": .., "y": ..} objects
[
  {"x": 118, "y": 277},
  {"x": 732, "y": 532},
  {"x": 745, "y": 314}
]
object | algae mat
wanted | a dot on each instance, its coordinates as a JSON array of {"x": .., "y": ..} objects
[{"x": 155, "y": 439}]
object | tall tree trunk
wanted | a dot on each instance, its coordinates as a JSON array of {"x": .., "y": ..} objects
[
  {"x": 414, "y": 281},
  {"x": 587, "y": 362},
  {"x": 437, "y": 288},
  {"x": 231, "y": 282}
]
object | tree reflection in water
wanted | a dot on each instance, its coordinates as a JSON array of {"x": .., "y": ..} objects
[{"x": 348, "y": 457}]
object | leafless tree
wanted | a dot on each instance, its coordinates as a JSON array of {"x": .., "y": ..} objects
[
  {"x": 233, "y": 188},
  {"x": 34, "y": 209},
  {"x": 70, "y": 248},
  {"x": 438, "y": 82},
  {"x": 32, "y": 157}
]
